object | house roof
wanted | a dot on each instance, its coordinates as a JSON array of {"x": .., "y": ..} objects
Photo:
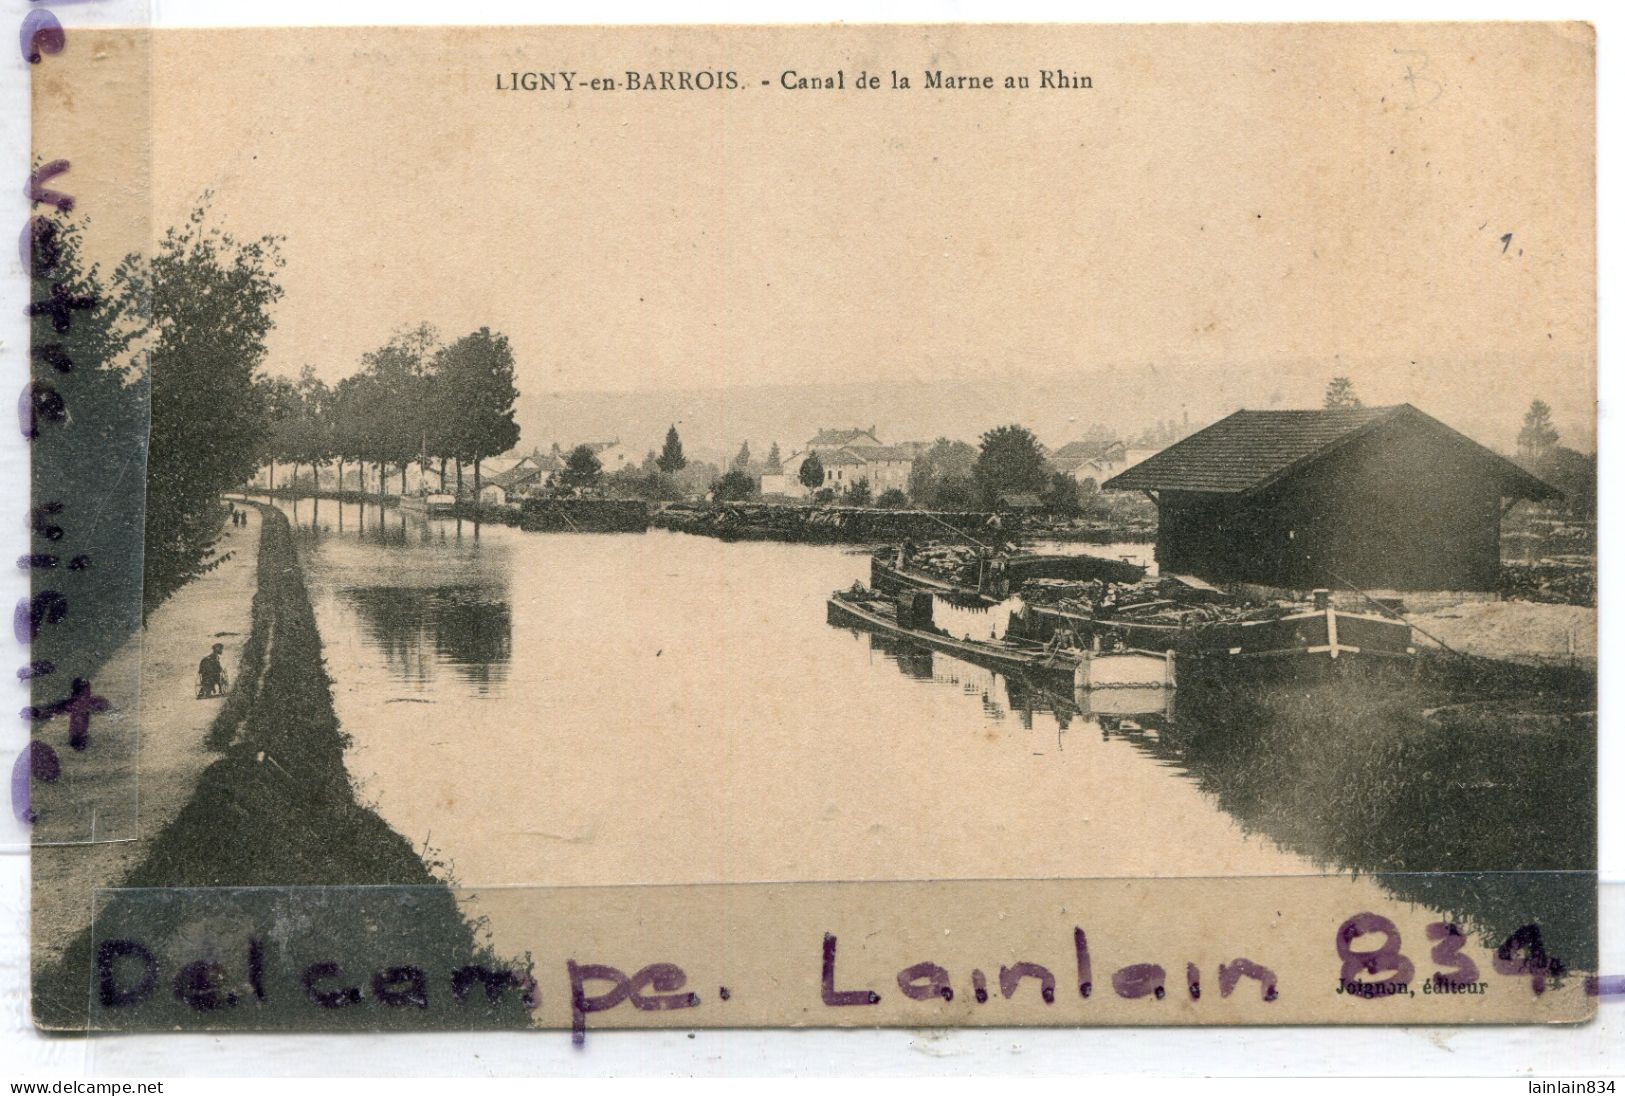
[
  {"x": 1251, "y": 450},
  {"x": 496, "y": 466},
  {"x": 520, "y": 473},
  {"x": 881, "y": 452},
  {"x": 841, "y": 456},
  {"x": 842, "y": 437},
  {"x": 1082, "y": 450}
]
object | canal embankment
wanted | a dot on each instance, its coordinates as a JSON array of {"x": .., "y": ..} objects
[{"x": 277, "y": 809}]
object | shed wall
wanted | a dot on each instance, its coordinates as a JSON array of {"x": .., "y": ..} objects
[{"x": 1399, "y": 509}]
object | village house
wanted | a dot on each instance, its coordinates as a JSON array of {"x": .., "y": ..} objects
[
  {"x": 613, "y": 455},
  {"x": 1373, "y": 498},
  {"x": 547, "y": 463},
  {"x": 848, "y": 456},
  {"x": 510, "y": 481},
  {"x": 1084, "y": 461}
]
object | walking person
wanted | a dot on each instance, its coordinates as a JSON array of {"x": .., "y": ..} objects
[{"x": 211, "y": 676}]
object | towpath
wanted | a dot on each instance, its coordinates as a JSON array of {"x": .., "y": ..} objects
[{"x": 146, "y": 750}]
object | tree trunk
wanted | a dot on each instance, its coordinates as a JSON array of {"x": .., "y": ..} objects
[
  {"x": 459, "y": 479},
  {"x": 273, "y": 477},
  {"x": 442, "y": 476},
  {"x": 476, "y": 482},
  {"x": 340, "y": 487}
]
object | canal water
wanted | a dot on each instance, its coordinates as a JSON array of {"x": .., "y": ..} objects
[{"x": 662, "y": 708}]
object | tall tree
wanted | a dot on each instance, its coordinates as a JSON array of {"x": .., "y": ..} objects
[
  {"x": 1538, "y": 435},
  {"x": 582, "y": 468},
  {"x": 671, "y": 459},
  {"x": 309, "y": 438},
  {"x": 1010, "y": 460},
  {"x": 1061, "y": 495},
  {"x": 90, "y": 458},
  {"x": 346, "y": 422},
  {"x": 942, "y": 476},
  {"x": 210, "y": 298},
  {"x": 400, "y": 416},
  {"x": 1339, "y": 396},
  {"x": 478, "y": 372},
  {"x": 811, "y": 474},
  {"x": 280, "y": 399},
  {"x": 775, "y": 462},
  {"x": 742, "y": 458}
]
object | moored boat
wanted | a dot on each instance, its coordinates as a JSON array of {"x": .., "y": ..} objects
[
  {"x": 1281, "y": 634},
  {"x": 969, "y": 577},
  {"x": 908, "y": 617},
  {"x": 428, "y": 504}
]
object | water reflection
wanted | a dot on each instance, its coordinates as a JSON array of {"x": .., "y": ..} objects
[
  {"x": 419, "y": 629},
  {"x": 1348, "y": 772},
  {"x": 436, "y": 598}
]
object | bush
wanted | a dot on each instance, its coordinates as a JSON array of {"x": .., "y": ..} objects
[
  {"x": 892, "y": 499},
  {"x": 734, "y": 486}
]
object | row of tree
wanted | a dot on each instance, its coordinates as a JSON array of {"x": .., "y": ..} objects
[
  {"x": 156, "y": 362},
  {"x": 413, "y": 398}
]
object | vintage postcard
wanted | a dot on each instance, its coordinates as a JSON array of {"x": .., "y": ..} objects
[{"x": 948, "y": 525}]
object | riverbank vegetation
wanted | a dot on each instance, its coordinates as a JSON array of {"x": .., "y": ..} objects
[
  {"x": 1469, "y": 787},
  {"x": 146, "y": 406}
]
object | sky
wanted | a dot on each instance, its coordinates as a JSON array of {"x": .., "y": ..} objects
[{"x": 1408, "y": 205}]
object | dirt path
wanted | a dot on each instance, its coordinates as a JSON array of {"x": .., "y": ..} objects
[{"x": 146, "y": 752}]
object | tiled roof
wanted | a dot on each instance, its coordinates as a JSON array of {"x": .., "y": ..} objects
[
  {"x": 841, "y": 456},
  {"x": 1078, "y": 450},
  {"x": 881, "y": 452},
  {"x": 1251, "y": 450},
  {"x": 841, "y": 437},
  {"x": 513, "y": 477}
]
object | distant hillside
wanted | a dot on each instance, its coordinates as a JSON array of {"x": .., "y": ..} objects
[{"x": 713, "y": 421}]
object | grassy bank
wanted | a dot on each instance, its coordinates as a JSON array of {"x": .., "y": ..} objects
[
  {"x": 1470, "y": 786},
  {"x": 300, "y": 874}
]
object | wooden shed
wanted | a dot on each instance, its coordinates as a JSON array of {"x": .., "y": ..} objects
[{"x": 1378, "y": 497}]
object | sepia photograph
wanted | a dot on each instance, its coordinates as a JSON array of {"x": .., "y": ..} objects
[{"x": 809, "y": 526}]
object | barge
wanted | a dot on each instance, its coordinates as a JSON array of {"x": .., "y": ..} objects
[{"x": 1096, "y": 666}]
